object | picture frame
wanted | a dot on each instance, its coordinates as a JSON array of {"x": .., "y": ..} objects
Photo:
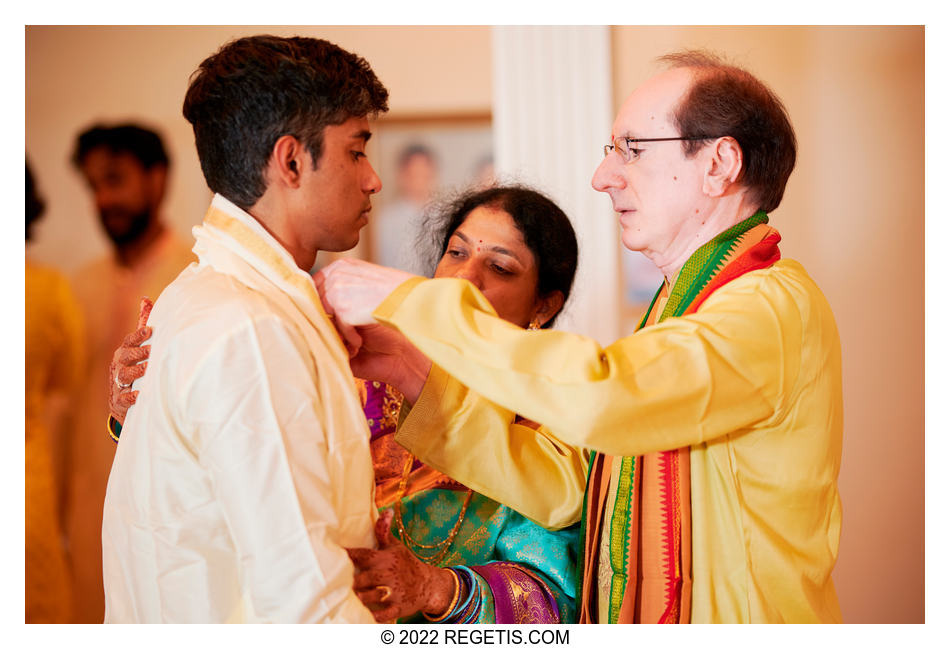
[{"x": 459, "y": 150}]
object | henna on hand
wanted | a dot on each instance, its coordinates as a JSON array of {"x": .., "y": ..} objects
[
  {"x": 393, "y": 583},
  {"x": 128, "y": 365}
]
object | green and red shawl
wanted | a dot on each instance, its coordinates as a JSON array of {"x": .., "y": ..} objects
[{"x": 648, "y": 524}]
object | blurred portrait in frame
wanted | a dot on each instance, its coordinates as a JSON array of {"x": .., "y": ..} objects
[{"x": 422, "y": 161}]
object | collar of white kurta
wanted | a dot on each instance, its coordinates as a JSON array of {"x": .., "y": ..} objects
[{"x": 232, "y": 242}]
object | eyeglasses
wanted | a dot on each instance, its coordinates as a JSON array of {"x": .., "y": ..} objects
[{"x": 622, "y": 144}]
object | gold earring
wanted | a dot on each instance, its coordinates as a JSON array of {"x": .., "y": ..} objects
[{"x": 533, "y": 325}]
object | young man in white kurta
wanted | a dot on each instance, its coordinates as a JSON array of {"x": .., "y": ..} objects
[{"x": 244, "y": 468}]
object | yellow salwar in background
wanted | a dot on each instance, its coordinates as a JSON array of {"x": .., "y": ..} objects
[{"x": 53, "y": 341}]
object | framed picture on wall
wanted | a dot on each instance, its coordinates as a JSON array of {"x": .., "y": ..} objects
[{"x": 421, "y": 160}]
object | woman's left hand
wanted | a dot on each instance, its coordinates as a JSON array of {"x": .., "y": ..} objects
[{"x": 393, "y": 583}]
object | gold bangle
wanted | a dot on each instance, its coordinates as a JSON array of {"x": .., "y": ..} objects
[
  {"x": 455, "y": 599},
  {"x": 111, "y": 429}
]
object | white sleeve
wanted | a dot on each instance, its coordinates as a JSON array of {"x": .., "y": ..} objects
[{"x": 255, "y": 408}]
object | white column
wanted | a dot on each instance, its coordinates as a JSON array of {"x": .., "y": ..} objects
[{"x": 551, "y": 116}]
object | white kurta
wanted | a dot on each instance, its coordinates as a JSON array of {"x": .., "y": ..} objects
[{"x": 244, "y": 470}]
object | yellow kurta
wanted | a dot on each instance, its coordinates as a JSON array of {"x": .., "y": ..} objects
[
  {"x": 53, "y": 341},
  {"x": 751, "y": 383}
]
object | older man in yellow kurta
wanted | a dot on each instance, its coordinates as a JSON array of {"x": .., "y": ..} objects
[{"x": 716, "y": 428}]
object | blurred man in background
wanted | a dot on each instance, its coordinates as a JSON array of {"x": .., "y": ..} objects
[{"x": 125, "y": 168}]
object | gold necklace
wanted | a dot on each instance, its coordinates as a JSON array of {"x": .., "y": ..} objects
[{"x": 442, "y": 547}]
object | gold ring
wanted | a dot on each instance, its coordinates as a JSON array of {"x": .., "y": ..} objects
[{"x": 387, "y": 591}]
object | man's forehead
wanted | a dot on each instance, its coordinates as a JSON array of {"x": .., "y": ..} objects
[
  {"x": 356, "y": 127},
  {"x": 104, "y": 158},
  {"x": 648, "y": 110}
]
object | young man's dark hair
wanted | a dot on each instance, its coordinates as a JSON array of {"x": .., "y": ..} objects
[
  {"x": 257, "y": 89},
  {"x": 146, "y": 145}
]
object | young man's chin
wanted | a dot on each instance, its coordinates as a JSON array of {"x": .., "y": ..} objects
[{"x": 343, "y": 246}]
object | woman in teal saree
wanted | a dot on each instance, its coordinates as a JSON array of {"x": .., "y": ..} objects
[{"x": 519, "y": 249}]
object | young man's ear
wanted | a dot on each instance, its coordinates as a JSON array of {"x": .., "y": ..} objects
[{"x": 285, "y": 164}]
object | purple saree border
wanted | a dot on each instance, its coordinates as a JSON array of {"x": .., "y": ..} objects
[{"x": 520, "y": 597}]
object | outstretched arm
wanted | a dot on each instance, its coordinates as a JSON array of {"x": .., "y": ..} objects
[
  {"x": 451, "y": 427},
  {"x": 683, "y": 382}
]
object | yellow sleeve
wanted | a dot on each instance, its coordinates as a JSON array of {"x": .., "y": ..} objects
[
  {"x": 479, "y": 444},
  {"x": 679, "y": 383}
]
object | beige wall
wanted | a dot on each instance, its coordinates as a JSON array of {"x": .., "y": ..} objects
[
  {"x": 854, "y": 215},
  {"x": 853, "y": 212}
]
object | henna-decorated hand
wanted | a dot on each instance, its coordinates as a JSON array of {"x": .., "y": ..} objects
[
  {"x": 125, "y": 366},
  {"x": 393, "y": 583}
]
